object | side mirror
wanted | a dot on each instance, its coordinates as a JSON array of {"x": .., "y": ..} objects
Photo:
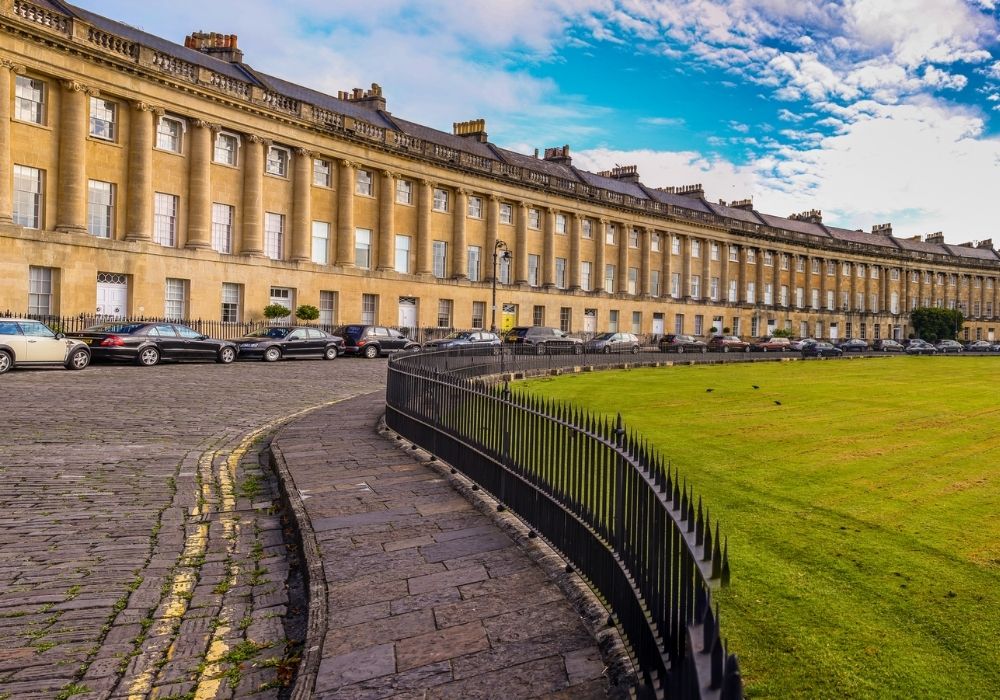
[
  {"x": 60, "y": 336},
  {"x": 202, "y": 337}
]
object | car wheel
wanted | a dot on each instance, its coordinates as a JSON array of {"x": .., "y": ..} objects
[
  {"x": 606, "y": 350},
  {"x": 746, "y": 349},
  {"x": 330, "y": 354},
  {"x": 577, "y": 349},
  {"x": 763, "y": 349},
  {"x": 78, "y": 359},
  {"x": 6, "y": 361},
  {"x": 540, "y": 349},
  {"x": 272, "y": 354},
  {"x": 635, "y": 349},
  {"x": 371, "y": 352},
  {"x": 704, "y": 350},
  {"x": 149, "y": 357},
  {"x": 226, "y": 356},
  {"x": 680, "y": 349},
  {"x": 725, "y": 348}
]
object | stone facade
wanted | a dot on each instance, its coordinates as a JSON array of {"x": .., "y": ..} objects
[{"x": 141, "y": 177}]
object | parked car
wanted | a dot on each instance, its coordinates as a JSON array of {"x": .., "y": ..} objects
[
  {"x": 543, "y": 339},
  {"x": 979, "y": 346},
  {"x": 772, "y": 344},
  {"x": 820, "y": 349},
  {"x": 149, "y": 342},
  {"x": 682, "y": 344},
  {"x": 800, "y": 343},
  {"x": 727, "y": 343},
  {"x": 949, "y": 346},
  {"x": 373, "y": 341},
  {"x": 464, "y": 339},
  {"x": 920, "y": 347},
  {"x": 613, "y": 342},
  {"x": 887, "y": 345},
  {"x": 854, "y": 345},
  {"x": 277, "y": 342},
  {"x": 26, "y": 343}
]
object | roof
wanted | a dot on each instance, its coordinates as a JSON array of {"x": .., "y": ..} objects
[
  {"x": 747, "y": 215},
  {"x": 964, "y": 251},
  {"x": 678, "y": 200},
  {"x": 797, "y": 225},
  {"x": 877, "y": 239},
  {"x": 921, "y": 246},
  {"x": 609, "y": 183},
  {"x": 532, "y": 163}
]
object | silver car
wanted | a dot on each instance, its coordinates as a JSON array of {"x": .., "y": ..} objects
[
  {"x": 613, "y": 342},
  {"x": 26, "y": 343}
]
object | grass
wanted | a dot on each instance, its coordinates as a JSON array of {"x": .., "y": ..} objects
[{"x": 863, "y": 513}]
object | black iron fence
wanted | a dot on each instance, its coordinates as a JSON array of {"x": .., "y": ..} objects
[{"x": 598, "y": 493}]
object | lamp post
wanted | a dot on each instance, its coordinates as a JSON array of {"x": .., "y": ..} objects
[{"x": 500, "y": 250}]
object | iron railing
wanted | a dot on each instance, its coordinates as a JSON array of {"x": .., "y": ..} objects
[{"x": 598, "y": 493}]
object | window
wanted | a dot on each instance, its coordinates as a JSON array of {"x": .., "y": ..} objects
[
  {"x": 403, "y": 254},
  {"x": 506, "y": 213},
  {"x": 734, "y": 291},
  {"x": 873, "y": 303},
  {"x": 444, "y": 313},
  {"x": 751, "y": 297},
  {"x": 534, "y": 218},
  {"x": 40, "y": 291},
  {"x": 654, "y": 241},
  {"x": 175, "y": 303},
  {"x": 363, "y": 248},
  {"x": 654, "y": 283},
  {"x": 369, "y": 308},
  {"x": 363, "y": 183},
  {"x": 861, "y": 270},
  {"x": 587, "y": 228},
  {"x": 274, "y": 236},
  {"x": 894, "y": 303},
  {"x": 231, "y": 295},
  {"x": 754, "y": 326},
  {"x": 475, "y": 256},
  {"x": 783, "y": 292},
  {"x": 533, "y": 270},
  {"x": 284, "y": 296},
  {"x": 815, "y": 266},
  {"x": 829, "y": 300},
  {"x": 504, "y": 269},
  {"x": 637, "y": 322},
  {"x": 103, "y": 119},
  {"x": 100, "y": 208},
  {"x": 27, "y": 196},
  {"x": 165, "y": 219},
  {"x": 695, "y": 248},
  {"x": 699, "y": 324},
  {"x": 327, "y": 308},
  {"x": 560, "y": 223},
  {"x": 734, "y": 253},
  {"x": 609, "y": 234},
  {"x": 751, "y": 256},
  {"x": 440, "y": 259},
  {"x": 565, "y": 319},
  {"x": 831, "y": 268},
  {"x": 225, "y": 148},
  {"x": 675, "y": 284},
  {"x": 321, "y": 173},
  {"x": 538, "y": 315},
  {"x": 440, "y": 200},
  {"x": 277, "y": 161},
  {"x": 168, "y": 134},
  {"x": 633, "y": 238},
  {"x": 800, "y": 264},
  {"x": 675, "y": 245},
  {"x": 29, "y": 103},
  {"x": 609, "y": 279},
  {"x": 874, "y": 272},
  {"x": 613, "y": 320},
  {"x": 845, "y": 269},
  {"x": 633, "y": 280},
  {"x": 404, "y": 192},
  {"x": 320, "y": 242},
  {"x": 894, "y": 274},
  {"x": 679, "y": 323},
  {"x": 845, "y": 300},
  {"x": 784, "y": 261},
  {"x": 713, "y": 288},
  {"x": 695, "y": 286},
  {"x": 859, "y": 301},
  {"x": 736, "y": 325},
  {"x": 768, "y": 259},
  {"x": 800, "y": 297},
  {"x": 561, "y": 273},
  {"x": 585, "y": 275},
  {"x": 222, "y": 227},
  {"x": 478, "y": 314},
  {"x": 475, "y": 208},
  {"x": 849, "y": 329}
]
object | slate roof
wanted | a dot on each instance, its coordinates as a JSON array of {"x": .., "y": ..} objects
[
  {"x": 921, "y": 246},
  {"x": 877, "y": 239},
  {"x": 679, "y": 200},
  {"x": 806, "y": 227},
  {"x": 747, "y": 215},
  {"x": 963, "y": 251}
]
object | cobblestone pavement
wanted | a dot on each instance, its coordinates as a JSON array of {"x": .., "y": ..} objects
[{"x": 140, "y": 552}]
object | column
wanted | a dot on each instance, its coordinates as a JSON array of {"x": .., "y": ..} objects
[
  {"x": 521, "y": 244},
  {"x": 575, "y": 227},
  {"x": 459, "y": 247},
  {"x": 807, "y": 285},
  {"x": 252, "y": 243},
  {"x": 741, "y": 275},
  {"x": 759, "y": 278},
  {"x": 622, "y": 238},
  {"x": 644, "y": 261},
  {"x": 386, "y": 221},
  {"x": 706, "y": 269},
  {"x": 301, "y": 239},
  {"x": 723, "y": 275},
  {"x": 549, "y": 248},
  {"x": 6, "y": 177},
  {"x": 492, "y": 232},
  {"x": 425, "y": 246},
  {"x": 666, "y": 268},
  {"x": 904, "y": 301},
  {"x": 199, "y": 230},
  {"x": 71, "y": 211},
  {"x": 345, "y": 214},
  {"x": 776, "y": 279},
  {"x": 823, "y": 282},
  {"x": 793, "y": 281},
  {"x": 600, "y": 257}
]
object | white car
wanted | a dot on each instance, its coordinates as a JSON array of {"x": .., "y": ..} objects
[{"x": 26, "y": 343}]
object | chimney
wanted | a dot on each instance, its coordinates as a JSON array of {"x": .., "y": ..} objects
[
  {"x": 694, "y": 191},
  {"x": 937, "y": 237},
  {"x": 474, "y": 129},
  {"x": 745, "y": 204},
  {"x": 813, "y": 216},
  {"x": 882, "y": 229},
  {"x": 986, "y": 244},
  {"x": 625, "y": 173},
  {"x": 220, "y": 46},
  {"x": 558, "y": 155},
  {"x": 370, "y": 98}
]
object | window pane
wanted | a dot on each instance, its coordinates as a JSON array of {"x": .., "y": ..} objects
[
  {"x": 165, "y": 219},
  {"x": 100, "y": 203},
  {"x": 222, "y": 228},
  {"x": 30, "y": 94}
]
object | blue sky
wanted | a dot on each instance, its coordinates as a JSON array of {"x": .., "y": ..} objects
[{"x": 873, "y": 111}]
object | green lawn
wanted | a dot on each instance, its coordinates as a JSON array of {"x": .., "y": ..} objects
[{"x": 863, "y": 513}]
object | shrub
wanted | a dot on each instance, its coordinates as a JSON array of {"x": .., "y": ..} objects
[
  {"x": 307, "y": 312},
  {"x": 273, "y": 311}
]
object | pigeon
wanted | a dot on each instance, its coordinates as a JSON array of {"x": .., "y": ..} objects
[
  {"x": 777, "y": 403},
  {"x": 709, "y": 391},
  {"x": 755, "y": 386}
]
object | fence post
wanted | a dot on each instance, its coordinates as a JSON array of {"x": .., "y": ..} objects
[
  {"x": 505, "y": 398},
  {"x": 620, "y": 485}
]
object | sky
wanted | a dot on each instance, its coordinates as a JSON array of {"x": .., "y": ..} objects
[{"x": 872, "y": 111}]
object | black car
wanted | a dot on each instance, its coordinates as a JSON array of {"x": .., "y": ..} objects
[
  {"x": 949, "y": 346},
  {"x": 465, "y": 339},
  {"x": 373, "y": 341},
  {"x": 277, "y": 342},
  {"x": 979, "y": 346},
  {"x": 920, "y": 347},
  {"x": 682, "y": 343},
  {"x": 820, "y": 349},
  {"x": 542, "y": 340},
  {"x": 149, "y": 342},
  {"x": 887, "y": 345},
  {"x": 854, "y": 345}
]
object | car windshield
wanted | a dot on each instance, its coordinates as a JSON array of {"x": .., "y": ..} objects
[
  {"x": 116, "y": 327},
  {"x": 517, "y": 332},
  {"x": 270, "y": 333},
  {"x": 604, "y": 336}
]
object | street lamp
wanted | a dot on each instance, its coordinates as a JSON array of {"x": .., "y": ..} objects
[{"x": 497, "y": 255}]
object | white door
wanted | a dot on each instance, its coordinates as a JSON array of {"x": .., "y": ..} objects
[
  {"x": 590, "y": 321},
  {"x": 112, "y": 295},
  {"x": 285, "y": 297},
  {"x": 407, "y": 312},
  {"x": 657, "y": 324},
  {"x": 834, "y": 332}
]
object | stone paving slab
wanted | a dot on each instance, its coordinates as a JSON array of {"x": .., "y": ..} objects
[{"x": 425, "y": 596}]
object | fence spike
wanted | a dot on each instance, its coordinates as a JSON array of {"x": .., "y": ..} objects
[
  {"x": 690, "y": 511},
  {"x": 725, "y": 563},
  {"x": 699, "y": 533},
  {"x": 717, "y": 664},
  {"x": 732, "y": 684},
  {"x": 717, "y": 554},
  {"x": 700, "y": 603},
  {"x": 706, "y": 554},
  {"x": 709, "y": 630}
]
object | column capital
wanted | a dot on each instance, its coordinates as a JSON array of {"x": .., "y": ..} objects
[
  {"x": 462, "y": 191},
  {"x": 74, "y": 86},
  {"x": 349, "y": 164},
  {"x": 256, "y": 138},
  {"x": 390, "y": 175},
  {"x": 494, "y": 197},
  {"x": 427, "y": 183},
  {"x": 12, "y": 66},
  {"x": 303, "y": 152}
]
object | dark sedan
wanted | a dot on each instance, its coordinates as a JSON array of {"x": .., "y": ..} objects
[
  {"x": 148, "y": 343},
  {"x": 920, "y": 347},
  {"x": 465, "y": 339},
  {"x": 887, "y": 345},
  {"x": 277, "y": 342},
  {"x": 854, "y": 345},
  {"x": 979, "y": 346},
  {"x": 949, "y": 346},
  {"x": 820, "y": 349},
  {"x": 682, "y": 344}
]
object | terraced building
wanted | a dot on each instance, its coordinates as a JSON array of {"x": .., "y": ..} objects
[{"x": 143, "y": 177}]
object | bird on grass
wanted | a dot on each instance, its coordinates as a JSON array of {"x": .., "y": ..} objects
[
  {"x": 709, "y": 391},
  {"x": 777, "y": 403},
  {"x": 755, "y": 386}
]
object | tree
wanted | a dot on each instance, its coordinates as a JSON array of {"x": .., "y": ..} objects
[
  {"x": 782, "y": 333},
  {"x": 307, "y": 312},
  {"x": 934, "y": 323},
  {"x": 273, "y": 311}
]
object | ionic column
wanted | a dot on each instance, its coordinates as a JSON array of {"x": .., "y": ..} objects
[
  {"x": 759, "y": 279},
  {"x": 622, "y": 239},
  {"x": 459, "y": 247},
  {"x": 776, "y": 279},
  {"x": 807, "y": 285},
  {"x": 644, "y": 261},
  {"x": 723, "y": 273},
  {"x": 905, "y": 291},
  {"x": 386, "y": 220},
  {"x": 299, "y": 247},
  {"x": 521, "y": 244},
  {"x": 706, "y": 269},
  {"x": 252, "y": 242},
  {"x": 425, "y": 246},
  {"x": 600, "y": 259},
  {"x": 492, "y": 233},
  {"x": 345, "y": 214},
  {"x": 71, "y": 211},
  {"x": 549, "y": 248},
  {"x": 823, "y": 284},
  {"x": 665, "y": 264},
  {"x": 6, "y": 178},
  {"x": 199, "y": 232},
  {"x": 575, "y": 225},
  {"x": 741, "y": 275},
  {"x": 793, "y": 281}
]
